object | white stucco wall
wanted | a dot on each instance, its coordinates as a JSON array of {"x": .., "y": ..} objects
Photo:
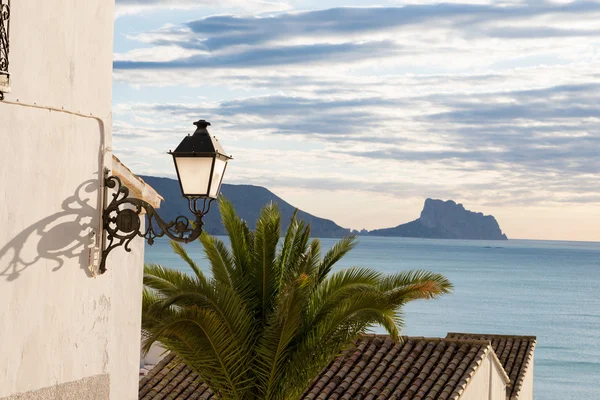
[
  {"x": 64, "y": 333},
  {"x": 487, "y": 383}
]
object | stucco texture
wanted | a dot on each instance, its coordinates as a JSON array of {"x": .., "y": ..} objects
[
  {"x": 60, "y": 326},
  {"x": 92, "y": 388}
]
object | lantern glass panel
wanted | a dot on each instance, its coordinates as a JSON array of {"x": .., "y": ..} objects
[
  {"x": 194, "y": 174},
  {"x": 218, "y": 172}
]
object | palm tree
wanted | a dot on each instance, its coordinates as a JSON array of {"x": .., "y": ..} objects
[{"x": 272, "y": 315}]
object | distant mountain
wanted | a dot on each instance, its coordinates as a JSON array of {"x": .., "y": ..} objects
[
  {"x": 247, "y": 199},
  {"x": 447, "y": 220}
]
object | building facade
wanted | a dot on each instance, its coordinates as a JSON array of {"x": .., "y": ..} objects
[{"x": 66, "y": 332}]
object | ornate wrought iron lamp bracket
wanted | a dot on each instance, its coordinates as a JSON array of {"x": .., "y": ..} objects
[
  {"x": 4, "y": 39},
  {"x": 121, "y": 220}
]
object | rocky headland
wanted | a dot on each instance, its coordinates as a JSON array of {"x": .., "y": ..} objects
[{"x": 447, "y": 220}]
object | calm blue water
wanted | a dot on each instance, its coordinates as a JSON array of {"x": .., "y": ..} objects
[{"x": 544, "y": 288}]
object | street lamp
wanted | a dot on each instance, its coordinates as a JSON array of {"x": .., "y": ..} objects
[{"x": 200, "y": 162}]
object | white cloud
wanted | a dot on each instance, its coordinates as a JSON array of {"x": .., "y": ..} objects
[
  {"x": 484, "y": 141},
  {"x": 128, "y": 7},
  {"x": 491, "y": 104}
]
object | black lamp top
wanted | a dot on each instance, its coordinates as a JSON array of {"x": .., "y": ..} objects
[
  {"x": 202, "y": 123},
  {"x": 200, "y": 143},
  {"x": 201, "y": 126}
]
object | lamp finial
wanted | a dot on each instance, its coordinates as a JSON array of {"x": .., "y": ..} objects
[{"x": 202, "y": 123}]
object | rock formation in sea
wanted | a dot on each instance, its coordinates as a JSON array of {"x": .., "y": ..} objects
[{"x": 447, "y": 220}]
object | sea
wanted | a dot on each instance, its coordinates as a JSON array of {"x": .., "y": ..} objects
[{"x": 548, "y": 289}]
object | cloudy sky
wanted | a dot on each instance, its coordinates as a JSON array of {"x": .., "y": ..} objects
[{"x": 357, "y": 110}]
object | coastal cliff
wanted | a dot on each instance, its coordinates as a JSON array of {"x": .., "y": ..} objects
[
  {"x": 447, "y": 220},
  {"x": 248, "y": 201},
  {"x": 439, "y": 219}
]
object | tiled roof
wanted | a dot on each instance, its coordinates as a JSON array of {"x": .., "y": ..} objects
[
  {"x": 515, "y": 354},
  {"x": 415, "y": 369},
  {"x": 173, "y": 380},
  {"x": 376, "y": 369}
]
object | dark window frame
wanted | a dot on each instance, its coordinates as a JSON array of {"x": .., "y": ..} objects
[{"x": 4, "y": 37}]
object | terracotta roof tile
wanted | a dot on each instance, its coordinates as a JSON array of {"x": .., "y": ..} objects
[
  {"x": 376, "y": 368},
  {"x": 172, "y": 380},
  {"x": 514, "y": 352}
]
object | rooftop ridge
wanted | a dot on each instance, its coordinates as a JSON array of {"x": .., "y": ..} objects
[
  {"x": 428, "y": 339},
  {"x": 493, "y": 335},
  {"x": 515, "y": 353}
]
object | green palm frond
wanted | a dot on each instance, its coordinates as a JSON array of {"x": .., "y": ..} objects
[
  {"x": 181, "y": 252},
  {"x": 220, "y": 299},
  {"x": 311, "y": 260},
  {"x": 337, "y": 287},
  {"x": 166, "y": 281},
  {"x": 238, "y": 233},
  {"x": 297, "y": 249},
  {"x": 288, "y": 240},
  {"x": 152, "y": 309},
  {"x": 221, "y": 261},
  {"x": 270, "y": 316},
  {"x": 272, "y": 352},
  {"x": 264, "y": 272},
  {"x": 339, "y": 250},
  {"x": 202, "y": 339},
  {"x": 413, "y": 285}
]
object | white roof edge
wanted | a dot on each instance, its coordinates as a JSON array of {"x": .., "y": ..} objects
[
  {"x": 499, "y": 364},
  {"x": 526, "y": 365},
  {"x": 488, "y": 350},
  {"x": 137, "y": 187}
]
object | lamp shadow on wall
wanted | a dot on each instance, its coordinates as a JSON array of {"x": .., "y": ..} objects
[{"x": 57, "y": 238}]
